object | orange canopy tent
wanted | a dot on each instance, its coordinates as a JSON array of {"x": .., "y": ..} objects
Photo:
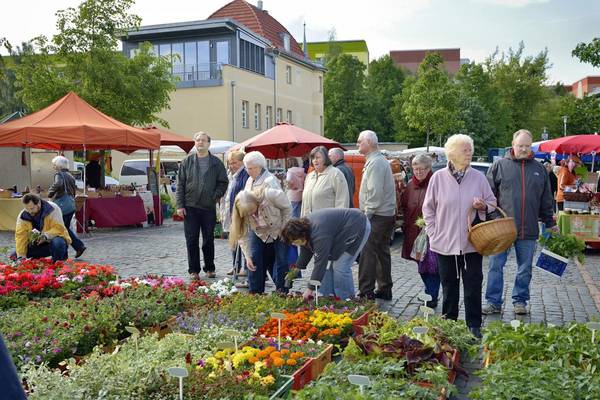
[
  {"x": 168, "y": 138},
  {"x": 72, "y": 124}
]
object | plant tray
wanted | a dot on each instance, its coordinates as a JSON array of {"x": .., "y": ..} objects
[
  {"x": 319, "y": 363},
  {"x": 303, "y": 375},
  {"x": 283, "y": 391},
  {"x": 552, "y": 263},
  {"x": 359, "y": 322},
  {"x": 451, "y": 376}
]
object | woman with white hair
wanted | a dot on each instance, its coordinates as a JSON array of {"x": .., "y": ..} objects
[
  {"x": 451, "y": 194},
  {"x": 62, "y": 193},
  {"x": 257, "y": 219}
]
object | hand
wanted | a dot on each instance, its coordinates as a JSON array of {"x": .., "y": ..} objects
[
  {"x": 181, "y": 212},
  {"x": 308, "y": 295},
  {"x": 43, "y": 239},
  {"x": 553, "y": 229},
  {"x": 479, "y": 204},
  {"x": 250, "y": 265}
]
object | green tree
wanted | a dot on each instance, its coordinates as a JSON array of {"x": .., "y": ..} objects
[
  {"x": 9, "y": 102},
  {"x": 475, "y": 123},
  {"x": 83, "y": 57},
  {"x": 583, "y": 116},
  {"x": 345, "y": 101},
  {"x": 383, "y": 82},
  {"x": 430, "y": 103},
  {"x": 588, "y": 52}
]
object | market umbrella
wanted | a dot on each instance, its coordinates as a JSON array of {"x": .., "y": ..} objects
[
  {"x": 284, "y": 140},
  {"x": 585, "y": 144},
  {"x": 168, "y": 138}
]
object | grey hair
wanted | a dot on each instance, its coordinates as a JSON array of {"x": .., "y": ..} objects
[
  {"x": 370, "y": 136},
  {"x": 61, "y": 162},
  {"x": 337, "y": 152},
  {"x": 255, "y": 158},
  {"x": 198, "y": 134},
  {"x": 423, "y": 159},
  {"x": 524, "y": 131},
  {"x": 454, "y": 141}
]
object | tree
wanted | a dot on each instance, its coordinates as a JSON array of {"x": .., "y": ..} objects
[
  {"x": 475, "y": 122},
  {"x": 583, "y": 116},
  {"x": 83, "y": 57},
  {"x": 9, "y": 102},
  {"x": 383, "y": 82},
  {"x": 588, "y": 52},
  {"x": 430, "y": 103},
  {"x": 345, "y": 100}
]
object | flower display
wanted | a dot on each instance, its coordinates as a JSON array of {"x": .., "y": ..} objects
[{"x": 221, "y": 288}]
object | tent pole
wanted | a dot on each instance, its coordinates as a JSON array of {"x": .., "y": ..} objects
[{"x": 85, "y": 224}]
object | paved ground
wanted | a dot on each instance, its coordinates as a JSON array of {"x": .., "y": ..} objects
[{"x": 161, "y": 250}]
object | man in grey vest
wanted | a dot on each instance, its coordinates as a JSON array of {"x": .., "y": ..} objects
[{"x": 337, "y": 158}]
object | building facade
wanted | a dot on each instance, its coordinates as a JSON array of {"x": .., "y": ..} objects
[
  {"x": 239, "y": 72},
  {"x": 411, "y": 59},
  {"x": 317, "y": 51},
  {"x": 588, "y": 86}
]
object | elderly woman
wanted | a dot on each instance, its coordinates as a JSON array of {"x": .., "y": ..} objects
[
  {"x": 62, "y": 193},
  {"x": 335, "y": 235},
  {"x": 294, "y": 179},
  {"x": 326, "y": 186},
  {"x": 411, "y": 205},
  {"x": 565, "y": 177},
  {"x": 451, "y": 194}
]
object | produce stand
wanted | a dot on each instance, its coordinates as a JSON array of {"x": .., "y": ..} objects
[{"x": 584, "y": 226}]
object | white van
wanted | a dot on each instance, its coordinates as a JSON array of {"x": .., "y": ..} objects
[{"x": 134, "y": 171}]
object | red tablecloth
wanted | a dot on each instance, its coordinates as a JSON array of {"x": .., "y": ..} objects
[{"x": 118, "y": 211}]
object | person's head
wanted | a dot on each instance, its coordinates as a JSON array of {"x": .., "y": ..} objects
[
  {"x": 421, "y": 166},
  {"x": 396, "y": 166},
  {"x": 255, "y": 162},
  {"x": 367, "y": 142},
  {"x": 296, "y": 231},
  {"x": 246, "y": 203},
  {"x": 319, "y": 158},
  {"x": 459, "y": 150},
  {"x": 521, "y": 144},
  {"x": 548, "y": 166},
  {"x": 573, "y": 162},
  {"x": 32, "y": 203},
  {"x": 235, "y": 161},
  {"x": 60, "y": 162},
  {"x": 292, "y": 162},
  {"x": 336, "y": 154},
  {"x": 202, "y": 142}
]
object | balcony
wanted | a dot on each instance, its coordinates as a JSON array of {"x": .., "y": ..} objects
[{"x": 198, "y": 75}]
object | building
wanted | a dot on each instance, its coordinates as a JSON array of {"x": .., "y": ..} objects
[
  {"x": 239, "y": 72},
  {"x": 317, "y": 51},
  {"x": 411, "y": 59},
  {"x": 588, "y": 86}
]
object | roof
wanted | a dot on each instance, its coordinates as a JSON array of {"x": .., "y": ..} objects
[
  {"x": 594, "y": 80},
  {"x": 258, "y": 21}
]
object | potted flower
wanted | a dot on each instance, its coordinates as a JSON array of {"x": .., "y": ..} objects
[{"x": 557, "y": 251}]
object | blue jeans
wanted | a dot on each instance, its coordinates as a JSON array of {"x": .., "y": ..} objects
[
  {"x": 338, "y": 279},
  {"x": 267, "y": 257},
  {"x": 296, "y": 208},
  {"x": 75, "y": 241},
  {"x": 57, "y": 248},
  {"x": 525, "y": 250},
  {"x": 432, "y": 285}
]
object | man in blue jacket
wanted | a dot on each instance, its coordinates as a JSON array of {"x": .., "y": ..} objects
[{"x": 522, "y": 188}]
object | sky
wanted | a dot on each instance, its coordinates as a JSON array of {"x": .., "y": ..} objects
[{"x": 477, "y": 27}]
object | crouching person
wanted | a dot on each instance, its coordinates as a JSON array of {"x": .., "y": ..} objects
[{"x": 40, "y": 231}]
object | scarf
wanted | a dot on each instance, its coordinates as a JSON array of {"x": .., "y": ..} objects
[
  {"x": 422, "y": 183},
  {"x": 458, "y": 175}
]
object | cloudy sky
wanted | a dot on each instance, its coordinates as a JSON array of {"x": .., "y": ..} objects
[{"x": 478, "y": 27}]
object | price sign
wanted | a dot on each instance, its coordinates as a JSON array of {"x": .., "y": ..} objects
[
  {"x": 424, "y": 297},
  {"x": 135, "y": 334},
  {"x": 593, "y": 326},
  {"x": 279, "y": 316},
  {"x": 515, "y": 323},
  {"x": 359, "y": 380},
  {"x": 234, "y": 334},
  {"x": 420, "y": 330},
  {"x": 224, "y": 345},
  {"x": 179, "y": 373},
  {"x": 427, "y": 311},
  {"x": 316, "y": 284}
]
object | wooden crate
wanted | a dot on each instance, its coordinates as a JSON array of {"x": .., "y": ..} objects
[
  {"x": 320, "y": 362},
  {"x": 359, "y": 322},
  {"x": 303, "y": 375},
  {"x": 283, "y": 391}
]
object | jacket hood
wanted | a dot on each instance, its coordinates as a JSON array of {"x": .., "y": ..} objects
[
  {"x": 511, "y": 156},
  {"x": 45, "y": 211}
]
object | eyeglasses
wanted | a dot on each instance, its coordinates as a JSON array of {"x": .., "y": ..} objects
[{"x": 420, "y": 169}]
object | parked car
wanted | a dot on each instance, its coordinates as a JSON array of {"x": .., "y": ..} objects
[
  {"x": 135, "y": 171},
  {"x": 79, "y": 166},
  {"x": 480, "y": 166}
]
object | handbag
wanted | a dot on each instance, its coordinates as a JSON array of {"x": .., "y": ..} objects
[{"x": 66, "y": 203}]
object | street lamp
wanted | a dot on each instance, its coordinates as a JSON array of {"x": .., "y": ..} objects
[{"x": 564, "y": 125}]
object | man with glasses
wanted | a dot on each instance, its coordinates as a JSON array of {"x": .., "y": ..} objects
[{"x": 522, "y": 188}]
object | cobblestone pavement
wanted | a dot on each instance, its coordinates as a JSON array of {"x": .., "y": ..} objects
[{"x": 161, "y": 250}]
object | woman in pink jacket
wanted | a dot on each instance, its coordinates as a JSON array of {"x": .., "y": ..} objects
[{"x": 451, "y": 194}]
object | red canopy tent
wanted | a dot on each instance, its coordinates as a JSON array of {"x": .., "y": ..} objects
[
  {"x": 168, "y": 138},
  {"x": 284, "y": 140},
  {"x": 72, "y": 124},
  {"x": 584, "y": 144}
]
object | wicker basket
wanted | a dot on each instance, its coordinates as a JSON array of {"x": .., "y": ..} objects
[
  {"x": 578, "y": 196},
  {"x": 492, "y": 237}
]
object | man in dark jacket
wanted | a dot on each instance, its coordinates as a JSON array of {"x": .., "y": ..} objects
[
  {"x": 522, "y": 188},
  {"x": 337, "y": 158},
  {"x": 201, "y": 182}
]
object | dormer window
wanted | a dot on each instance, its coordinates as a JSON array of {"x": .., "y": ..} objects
[{"x": 286, "y": 42}]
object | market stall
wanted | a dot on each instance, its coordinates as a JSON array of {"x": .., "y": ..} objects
[
  {"x": 112, "y": 212},
  {"x": 9, "y": 211}
]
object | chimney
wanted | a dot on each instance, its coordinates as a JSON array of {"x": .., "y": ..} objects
[{"x": 259, "y": 5}]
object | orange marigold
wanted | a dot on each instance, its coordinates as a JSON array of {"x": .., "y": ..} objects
[{"x": 291, "y": 362}]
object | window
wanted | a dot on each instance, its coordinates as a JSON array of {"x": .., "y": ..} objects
[
  {"x": 177, "y": 60},
  {"x": 288, "y": 74},
  {"x": 203, "y": 60},
  {"x": 269, "y": 117},
  {"x": 286, "y": 42},
  {"x": 252, "y": 57},
  {"x": 279, "y": 115},
  {"x": 320, "y": 84},
  {"x": 222, "y": 53},
  {"x": 190, "y": 63},
  {"x": 257, "y": 116},
  {"x": 244, "y": 114},
  {"x": 288, "y": 118}
]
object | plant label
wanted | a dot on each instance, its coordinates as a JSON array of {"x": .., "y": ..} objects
[
  {"x": 234, "y": 334},
  {"x": 359, "y": 380},
  {"x": 420, "y": 330},
  {"x": 224, "y": 345},
  {"x": 515, "y": 323},
  {"x": 593, "y": 326},
  {"x": 179, "y": 373},
  {"x": 279, "y": 317},
  {"x": 424, "y": 297},
  {"x": 427, "y": 311},
  {"x": 316, "y": 284},
  {"x": 133, "y": 330}
]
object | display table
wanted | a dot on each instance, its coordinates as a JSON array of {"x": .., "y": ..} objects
[
  {"x": 585, "y": 226},
  {"x": 112, "y": 212},
  {"x": 9, "y": 211}
]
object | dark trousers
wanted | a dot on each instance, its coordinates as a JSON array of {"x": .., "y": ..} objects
[
  {"x": 57, "y": 248},
  {"x": 76, "y": 243},
  {"x": 432, "y": 285},
  {"x": 375, "y": 263},
  {"x": 196, "y": 220},
  {"x": 450, "y": 269},
  {"x": 269, "y": 258}
]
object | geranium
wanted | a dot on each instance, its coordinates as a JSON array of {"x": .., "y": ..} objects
[{"x": 221, "y": 288}]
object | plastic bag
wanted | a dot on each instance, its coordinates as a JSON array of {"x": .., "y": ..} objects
[{"x": 420, "y": 246}]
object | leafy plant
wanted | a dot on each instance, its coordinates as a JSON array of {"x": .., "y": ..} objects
[{"x": 568, "y": 246}]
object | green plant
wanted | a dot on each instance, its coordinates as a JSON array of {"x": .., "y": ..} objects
[{"x": 567, "y": 246}]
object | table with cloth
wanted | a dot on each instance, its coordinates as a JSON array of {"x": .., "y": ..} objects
[
  {"x": 112, "y": 212},
  {"x": 9, "y": 211},
  {"x": 585, "y": 226}
]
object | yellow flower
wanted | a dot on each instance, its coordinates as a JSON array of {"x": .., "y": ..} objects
[{"x": 267, "y": 380}]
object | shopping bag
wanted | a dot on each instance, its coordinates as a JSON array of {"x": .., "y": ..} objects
[{"x": 420, "y": 246}]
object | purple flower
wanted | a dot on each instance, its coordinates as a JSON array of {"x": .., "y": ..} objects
[
  {"x": 38, "y": 359},
  {"x": 56, "y": 350},
  {"x": 201, "y": 363}
]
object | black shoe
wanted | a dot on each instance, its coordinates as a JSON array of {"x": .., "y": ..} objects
[
  {"x": 368, "y": 296},
  {"x": 475, "y": 331},
  {"x": 432, "y": 304},
  {"x": 79, "y": 252},
  {"x": 383, "y": 296}
]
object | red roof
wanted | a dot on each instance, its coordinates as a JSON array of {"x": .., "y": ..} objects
[{"x": 258, "y": 21}]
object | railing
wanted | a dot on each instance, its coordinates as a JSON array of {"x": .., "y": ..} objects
[{"x": 198, "y": 72}]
